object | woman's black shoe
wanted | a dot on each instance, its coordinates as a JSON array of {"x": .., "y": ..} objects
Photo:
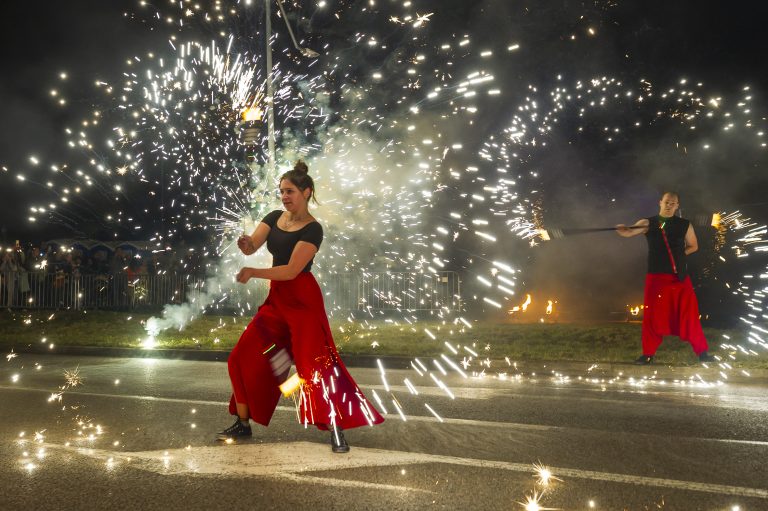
[
  {"x": 338, "y": 442},
  {"x": 235, "y": 431},
  {"x": 644, "y": 360}
]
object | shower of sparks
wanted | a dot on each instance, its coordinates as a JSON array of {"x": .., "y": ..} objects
[
  {"x": 532, "y": 502},
  {"x": 149, "y": 343},
  {"x": 585, "y": 103},
  {"x": 72, "y": 378},
  {"x": 164, "y": 154},
  {"x": 383, "y": 375},
  {"x": 750, "y": 241},
  {"x": 543, "y": 475},
  {"x": 182, "y": 111},
  {"x": 174, "y": 136},
  {"x": 433, "y": 412}
]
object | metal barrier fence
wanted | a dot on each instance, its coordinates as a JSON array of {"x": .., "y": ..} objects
[
  {"x": 391, "y": 291},
  {"x": 369, "y": 291},
  {"x": 41, "y": 290}
]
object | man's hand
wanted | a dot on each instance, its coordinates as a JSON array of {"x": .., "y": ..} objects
[
  {"x": 624, "y": 231},
  {"x": 623, "y": 228},
  {"x": 246, "y": 245},
  {"x": 245, "y": 275}
]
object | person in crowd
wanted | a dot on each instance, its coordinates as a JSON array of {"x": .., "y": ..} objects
[
  {"x": 9, "y": 268},
  {"x": 23, "y": 275},
  {"x": 153, "y": 266}
]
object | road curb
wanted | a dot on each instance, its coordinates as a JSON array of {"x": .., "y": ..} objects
[
  {"x": 525, "y": 367},
  {"x": 391, "y": 362},
  {"x": 605, "y": 370}
]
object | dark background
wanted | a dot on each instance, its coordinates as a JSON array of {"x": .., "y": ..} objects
[
  {"x": 714, "y": 42},
  {"x": 718, "y": 43}
]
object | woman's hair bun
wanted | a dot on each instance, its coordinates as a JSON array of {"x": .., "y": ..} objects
[{"x": 300, "y": 167}]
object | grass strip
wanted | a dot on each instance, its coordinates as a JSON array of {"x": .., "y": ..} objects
[{"x": 583, "y": 342}]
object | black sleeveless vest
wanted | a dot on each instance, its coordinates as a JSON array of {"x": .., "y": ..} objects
[{"x": 658, "y": 255}]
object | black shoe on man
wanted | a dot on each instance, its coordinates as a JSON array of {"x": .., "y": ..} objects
[
  {"x": 338, "y": 442},
  {"x": 240, "y": 430},
  {"x": 644, "y": 360},
  {"x": 706, "y": 357}
]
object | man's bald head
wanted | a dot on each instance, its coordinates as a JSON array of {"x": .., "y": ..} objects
[{"x": 668, "y": 204}]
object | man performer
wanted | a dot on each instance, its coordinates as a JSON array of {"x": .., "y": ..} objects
[{"x": 670, "y": 305}]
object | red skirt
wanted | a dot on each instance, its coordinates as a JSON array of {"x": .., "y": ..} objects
[
  {"x": 293, "y": 319},
  {"x": 671, "y": 308}
]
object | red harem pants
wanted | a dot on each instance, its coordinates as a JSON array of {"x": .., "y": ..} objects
[
  {"x": 293, "y": 318},
  {"x": 671, "y": 308}
]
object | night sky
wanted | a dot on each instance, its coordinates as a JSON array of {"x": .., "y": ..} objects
[{"x": 718, "y": 43}]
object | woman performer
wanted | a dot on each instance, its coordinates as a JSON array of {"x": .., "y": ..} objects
[{"x": 292, "y": 324}]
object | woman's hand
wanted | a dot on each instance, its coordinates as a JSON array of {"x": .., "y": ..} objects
[
  {"x": 245, "y": 275},
  {"x": 245, "y": 244}
]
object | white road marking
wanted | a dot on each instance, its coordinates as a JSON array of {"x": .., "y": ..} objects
[
  {"x": 296, "y": 460},
  {"x": 515, "y": 426},
  {"x": 293, "y": 461}
]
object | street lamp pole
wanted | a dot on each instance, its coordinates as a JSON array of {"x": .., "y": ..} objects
[
  {"x": 306, "y": 52},
  {"x": 270, "y": 92}
]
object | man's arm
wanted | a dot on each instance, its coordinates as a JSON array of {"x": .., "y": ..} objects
[
  {"x": 691, "y": 243},
  {"x": 627, "y": 232}
]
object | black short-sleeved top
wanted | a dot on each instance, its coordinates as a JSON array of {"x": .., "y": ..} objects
[
  {"x": 281, "y": 243},
  {"x": 658, "y": 255}
]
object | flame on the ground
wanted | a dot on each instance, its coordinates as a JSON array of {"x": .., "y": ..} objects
[{"x": 523, "y": 307}]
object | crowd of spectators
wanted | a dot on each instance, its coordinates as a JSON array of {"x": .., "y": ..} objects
[
  {"x": 25, "y": 266},
  {"x": 54, "y": 258}
]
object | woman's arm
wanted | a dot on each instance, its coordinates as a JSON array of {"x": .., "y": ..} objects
[
  {"x": 250, "y": 244},
  {"x": 302, "y": 253}
]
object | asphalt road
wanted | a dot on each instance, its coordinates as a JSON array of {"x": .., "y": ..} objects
[{"x": 138, "y": 434}]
